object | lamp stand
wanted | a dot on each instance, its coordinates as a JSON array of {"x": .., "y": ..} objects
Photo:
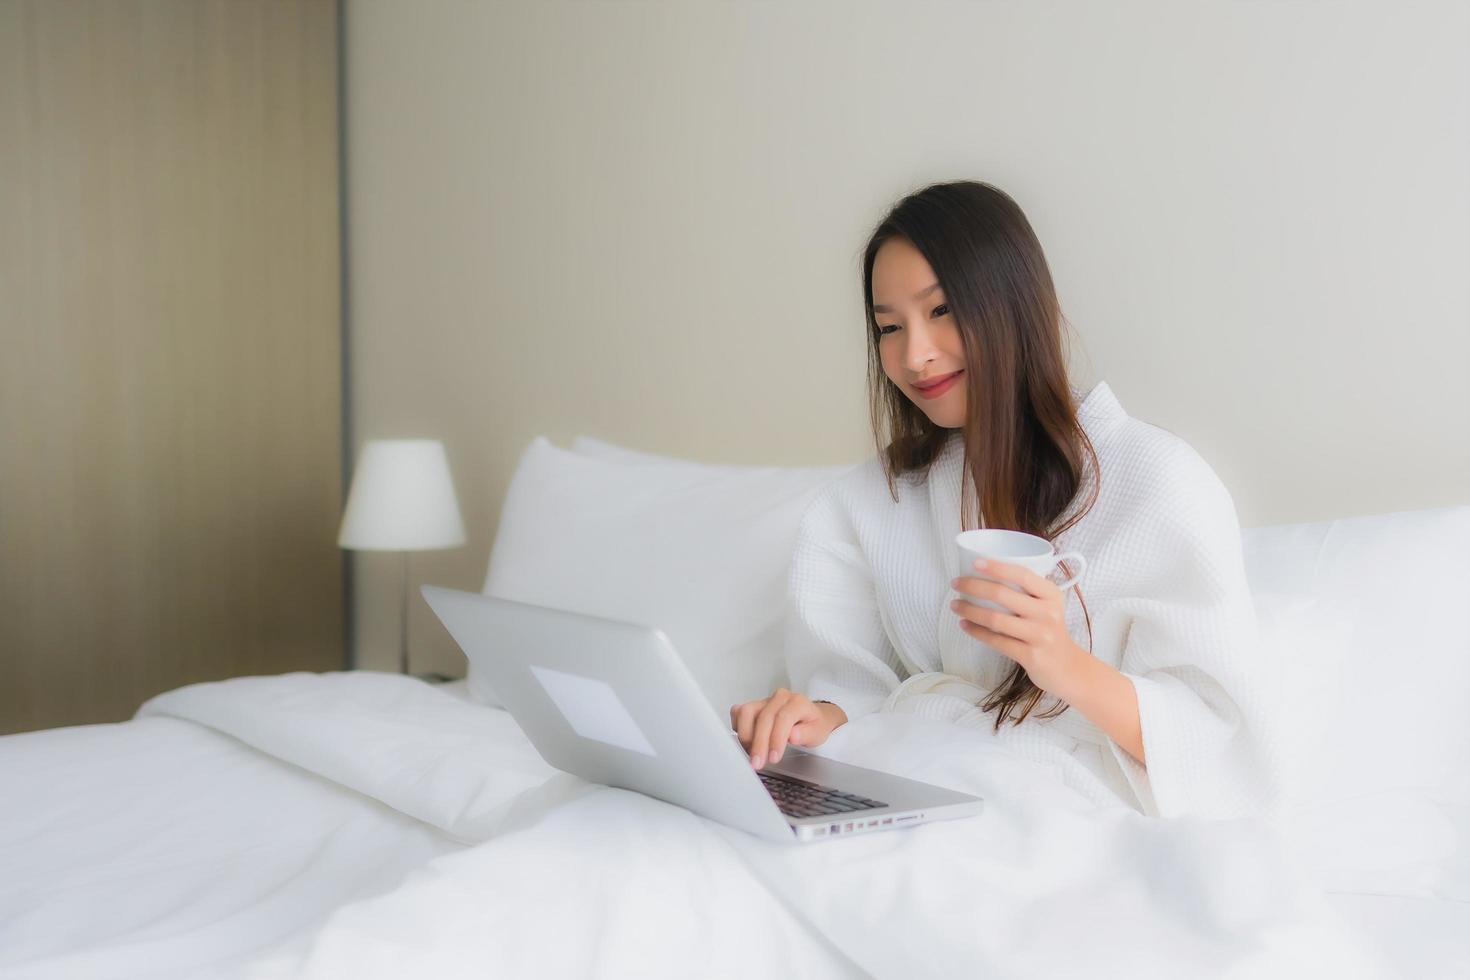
[
  {"x": 431, "y": 677},
  {"x": 403, "y": 617}
]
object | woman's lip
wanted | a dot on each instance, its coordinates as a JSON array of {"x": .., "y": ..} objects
[{"x": 940, "y": 388}]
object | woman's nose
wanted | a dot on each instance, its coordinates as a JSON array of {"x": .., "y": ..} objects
[
  {"x": 920, "y": 362},
  {"x": 920, "y": 348}
]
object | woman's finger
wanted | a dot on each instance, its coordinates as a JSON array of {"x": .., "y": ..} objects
[
  {"x": 1004, "y": 623},
  {"x": 745, "y": 720},
  {"x": 786, "y": 718},
  {"x": 1009, "y": 646},
  {"x": 1030, "y": 583},
  {"x": 798, "y": 734},
  {"x": 1017, "y": 602},
  {"x": 760, "y": 742}
]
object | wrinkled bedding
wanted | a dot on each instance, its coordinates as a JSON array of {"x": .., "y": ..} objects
[
  {"x": 365, "y": 824},
  {"x": 562, "y": 877},
  {"x": 161, "y": 848}
]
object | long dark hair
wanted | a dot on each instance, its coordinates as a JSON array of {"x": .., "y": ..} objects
[{"x": 1025, "y": 449}]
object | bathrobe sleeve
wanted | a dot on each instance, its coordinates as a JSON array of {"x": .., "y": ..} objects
[
  {"x": 1209, "y": 701},
  {"x": 835, "y": 644}
]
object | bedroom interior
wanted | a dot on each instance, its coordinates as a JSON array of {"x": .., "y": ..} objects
[{"x": 310, "y": 303}]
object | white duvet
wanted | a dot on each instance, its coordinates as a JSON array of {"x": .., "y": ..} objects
[{"x": 570, "y": 878}]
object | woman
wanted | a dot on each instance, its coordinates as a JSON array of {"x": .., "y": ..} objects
[{"x": 1157, "y": 693}]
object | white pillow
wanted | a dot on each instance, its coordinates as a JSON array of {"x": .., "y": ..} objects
[
  {"x": 700, "y": 551},
  {"x": 1378, "y": 686},
  {"x": 596, "y": 448},
  {"x": 1306, "y": 635}
]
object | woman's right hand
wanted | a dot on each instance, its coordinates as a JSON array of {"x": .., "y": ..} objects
[{"x": 765, "y": 726}]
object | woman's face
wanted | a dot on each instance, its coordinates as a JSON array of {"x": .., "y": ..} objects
[{"x": 918, "y": 337}]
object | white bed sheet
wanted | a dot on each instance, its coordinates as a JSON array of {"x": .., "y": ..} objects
[
  {"x": 1422, "y": 938},
  {"x": 160, "y": 848},
  {"x": 1426, "y": 938},
  {"x": 568, "y": 878}
]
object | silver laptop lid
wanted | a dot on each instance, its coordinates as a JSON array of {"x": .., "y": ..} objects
[{"x": 608, "y": 701}]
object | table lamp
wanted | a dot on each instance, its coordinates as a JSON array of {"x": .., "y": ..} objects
[{"x": 402, "y": 499}]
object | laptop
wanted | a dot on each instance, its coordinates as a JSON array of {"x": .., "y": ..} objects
[{"x": 612, "y": 702}]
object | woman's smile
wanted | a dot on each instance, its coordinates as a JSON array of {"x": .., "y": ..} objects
[{"x": 940, "y": 388}]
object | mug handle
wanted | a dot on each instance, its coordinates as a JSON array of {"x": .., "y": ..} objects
[{"x": 1081, "y": 567}]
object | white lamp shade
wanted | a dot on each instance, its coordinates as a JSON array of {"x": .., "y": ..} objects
[{"x": 402, "y": 499}]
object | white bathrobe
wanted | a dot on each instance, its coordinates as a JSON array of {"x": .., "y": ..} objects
[{"x": 868, "y": 623}]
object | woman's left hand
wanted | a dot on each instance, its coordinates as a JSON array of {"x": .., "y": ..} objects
[{"x": 1033, "y": 633}]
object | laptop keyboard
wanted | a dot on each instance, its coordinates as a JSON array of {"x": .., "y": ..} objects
[{"x": 799, "y": 798}]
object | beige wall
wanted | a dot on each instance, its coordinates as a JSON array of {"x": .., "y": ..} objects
[
  {"x": 170, "y": 350},
  {"x": 643, "y": 221}
]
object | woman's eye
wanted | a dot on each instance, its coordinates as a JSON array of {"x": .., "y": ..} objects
[{"x": 893, "y": 326}]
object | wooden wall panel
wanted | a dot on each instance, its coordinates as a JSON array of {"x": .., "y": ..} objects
[{"x": 170, "y": 377}]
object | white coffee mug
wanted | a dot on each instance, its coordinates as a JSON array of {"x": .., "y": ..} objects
[{"x": 1030, "y": 551}]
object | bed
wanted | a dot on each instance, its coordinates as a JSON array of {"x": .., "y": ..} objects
[{"x": 364, "y": 824}]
